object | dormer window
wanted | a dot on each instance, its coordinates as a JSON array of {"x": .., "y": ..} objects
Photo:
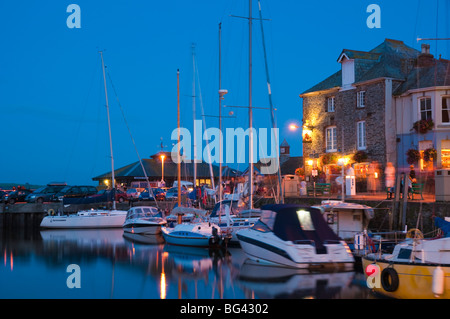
[{"x": 348, "y": 71}]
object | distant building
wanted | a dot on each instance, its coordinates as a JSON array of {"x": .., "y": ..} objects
[{"x": 153, "y": 166}]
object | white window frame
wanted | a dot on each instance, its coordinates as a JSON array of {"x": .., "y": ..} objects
[
  {"x": 331, "y": 104},
  {"x": 447, "y": 109},
  {"x": 424, "y": 98},
  {"x": 331, "y": 139},
  {"x": 361, "y": 130},
  {"x": 361, "y": 99}
]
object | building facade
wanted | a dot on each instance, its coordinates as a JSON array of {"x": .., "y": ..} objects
[{"x": 350, "y": 117}]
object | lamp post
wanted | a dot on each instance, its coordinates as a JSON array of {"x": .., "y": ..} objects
[{"x": 162, "y": 167}]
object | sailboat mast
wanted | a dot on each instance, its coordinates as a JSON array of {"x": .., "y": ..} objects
[
  {"x": 193, "y": 114},
  {"x": 220, "y": 113},
  {"x": 178, "y": 152},
  {"x": 113, "y": 183},
  {"x": 250, "y": 110}
]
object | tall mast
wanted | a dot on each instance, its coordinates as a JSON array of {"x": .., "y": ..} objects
[
  {"x": 193, "y": 114},
  {"x": 220, "y": 113},
  {"x": 113, "y": 183},
  {"x": 178, "y": 125},
  {"x": 250, "y": 111}
]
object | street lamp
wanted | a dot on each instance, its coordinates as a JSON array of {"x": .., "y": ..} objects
[{"x": 162, "y": 167}]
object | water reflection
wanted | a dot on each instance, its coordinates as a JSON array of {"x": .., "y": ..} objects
[{"x": 115, "y": 264}]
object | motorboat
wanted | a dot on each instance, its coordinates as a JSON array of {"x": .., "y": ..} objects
[
  {"x": 418, "y": 268},
  {"x": 232, "y": 223},
  {"x": 144, "y": 220},
  {"x": 201, "y": 234},
  {"x": 86, "y": 219},
  {"x": 296, "y": 236},
  {"x": 187, "y": 214}
]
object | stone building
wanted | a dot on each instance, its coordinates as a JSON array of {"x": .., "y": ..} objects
[{"x": 352, "y": 111}]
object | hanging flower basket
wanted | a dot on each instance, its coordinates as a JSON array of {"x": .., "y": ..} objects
[
  {"x": 413, "y": 156},
  {"x": 423, "y": 126},
  {"x": 429, "y": 154},
  {"x": 329, "y": 159},
  {"x": 360, "y": 156}
]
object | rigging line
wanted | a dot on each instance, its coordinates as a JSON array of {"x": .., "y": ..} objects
[
  {"x": 204, "y": 125},
  {"x": 94, "y": 73},
  {"x": 150, "y": 190}
]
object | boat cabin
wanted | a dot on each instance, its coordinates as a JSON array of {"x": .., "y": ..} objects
[
  {"x": 346, "y": 219},
  {"x": 142, "y": 212}
]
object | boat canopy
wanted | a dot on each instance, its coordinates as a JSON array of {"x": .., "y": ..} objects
[
  {"x": 442, "y": 225},
  {"x": 297, "y": 223}
]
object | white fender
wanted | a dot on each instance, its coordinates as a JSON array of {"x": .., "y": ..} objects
[{"x": 438, "y": 281}]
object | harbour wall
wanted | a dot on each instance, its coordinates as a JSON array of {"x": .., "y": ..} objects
[{"x": 388, "y": 215}]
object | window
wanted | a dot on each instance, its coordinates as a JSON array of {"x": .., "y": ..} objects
[
  {"x": 361, "y": 135},
  {"x": 330, "y": 104},
  {"x": 446, "y": 109},
  {"x": 331, "y": 139},
  {"x": 425, "y": 108},
  {"x": 361, "y": 99}
]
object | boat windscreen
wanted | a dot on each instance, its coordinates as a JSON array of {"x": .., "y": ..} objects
[{"x": 297, "y": 224}]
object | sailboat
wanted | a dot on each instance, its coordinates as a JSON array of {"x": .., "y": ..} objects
[
  {"x": 101, "y": 218},
  {"x": 195, "y": 234}
]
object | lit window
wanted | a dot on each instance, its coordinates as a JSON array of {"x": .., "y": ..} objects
[
  {"x": 331, "y": 139},
  {"x": 305, "y": 220}
]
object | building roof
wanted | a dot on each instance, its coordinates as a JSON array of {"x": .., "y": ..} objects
[
  {"x": 436, "y": 74},
  {"x": 390, "y": 59},
  {"x": 153, "y": 168}
]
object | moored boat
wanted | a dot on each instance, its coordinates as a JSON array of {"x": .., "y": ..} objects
[
  {"x": 202, "y": 234},
  {"x": 294, "y": 236},
  {"x": 86, "y": 219},
  {"x": 143, "y": 220},
  {"x": 418, "y": 268}
]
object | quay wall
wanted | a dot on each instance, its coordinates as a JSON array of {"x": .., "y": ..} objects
[{"x": 386, "y": 216}]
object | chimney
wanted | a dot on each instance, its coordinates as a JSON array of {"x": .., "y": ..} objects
[
  {"x": 425, "y": 58},
  {"x": 425, "y": 48}
]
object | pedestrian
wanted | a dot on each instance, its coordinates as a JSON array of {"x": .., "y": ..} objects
[
  {"x": 389, "y": 173},
  {"x": 412, "y": 174}
]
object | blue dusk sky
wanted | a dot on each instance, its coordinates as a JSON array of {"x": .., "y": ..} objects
[{"x": 52, "y": 101}]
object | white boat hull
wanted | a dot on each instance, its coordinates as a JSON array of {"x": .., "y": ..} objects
[
  {"x": 103, "y": 219},
  {"x": 266, "y": 248},
  {"x": 195, "y": 235},
  {"x": 142, "y": 228}
]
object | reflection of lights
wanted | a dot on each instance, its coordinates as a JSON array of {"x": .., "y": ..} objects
[
  {"x": 163, "y": 286},
  {"x": 11, "y": 261}
]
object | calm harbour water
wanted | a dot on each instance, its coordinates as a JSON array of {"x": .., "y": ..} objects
[{"x": 117, "y": 265}]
